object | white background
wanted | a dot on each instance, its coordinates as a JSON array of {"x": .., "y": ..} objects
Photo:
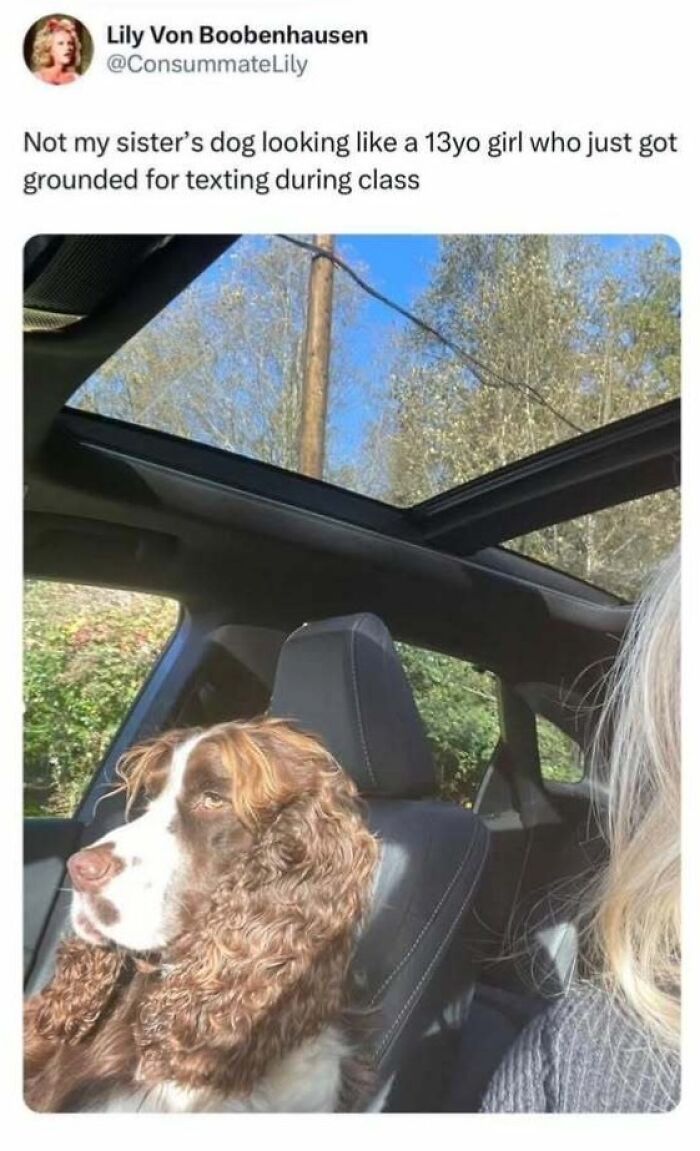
[{"x": 609, "y": 65}]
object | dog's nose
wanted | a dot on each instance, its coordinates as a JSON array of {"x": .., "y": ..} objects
[{"x": 92, "y": 868}]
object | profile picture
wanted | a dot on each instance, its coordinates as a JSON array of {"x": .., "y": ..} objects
[{"x": 58, "y": 49}]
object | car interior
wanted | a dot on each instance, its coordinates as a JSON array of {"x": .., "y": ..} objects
[{"x": 293, "y": 594}]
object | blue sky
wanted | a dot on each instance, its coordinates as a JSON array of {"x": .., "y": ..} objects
[{"x": 401, "y": 265}]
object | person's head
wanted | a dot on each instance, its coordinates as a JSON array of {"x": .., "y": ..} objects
[
  {"x": 56, "y": 45},
  {"x": 637, "y": 760}
]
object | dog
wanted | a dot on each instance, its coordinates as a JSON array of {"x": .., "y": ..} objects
[{"x": 213, "y": 933}]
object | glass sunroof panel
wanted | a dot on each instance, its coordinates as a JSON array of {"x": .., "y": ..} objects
[{"x": 568, "y": 333}]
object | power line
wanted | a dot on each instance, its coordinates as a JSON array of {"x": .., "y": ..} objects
[{"x": 477, "y": 368}]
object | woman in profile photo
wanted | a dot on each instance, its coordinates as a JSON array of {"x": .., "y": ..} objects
[
  {"x": 56, "y": 50},
  {"x": 613, "y": 1042}
]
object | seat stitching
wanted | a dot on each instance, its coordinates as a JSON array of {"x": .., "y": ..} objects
[
  {"x": 426, "y": 925},
  {"x": 379, "y": 1050},
  {"x": 382, "y": 1046},
  {"x": 357, "y": 705}
]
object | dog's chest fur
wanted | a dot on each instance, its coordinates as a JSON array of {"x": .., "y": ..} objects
[{"x": 308, "y": 1079}]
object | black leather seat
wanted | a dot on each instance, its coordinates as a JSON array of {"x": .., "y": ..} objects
[{"x": 342, "y": 679}]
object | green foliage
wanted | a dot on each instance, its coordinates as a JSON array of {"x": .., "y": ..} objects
[
  {"x": 459, "y": 707},
  {"x": 87, "y": 654},
  {"x": 561, "y": 758}
]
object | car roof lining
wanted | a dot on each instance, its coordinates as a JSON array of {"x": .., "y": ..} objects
[
  {"x": 101, "y": 517},
  {"x": 626, "y": 460}
]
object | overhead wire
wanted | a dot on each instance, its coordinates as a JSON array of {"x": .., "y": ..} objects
[{"x": 480, "y": 370}]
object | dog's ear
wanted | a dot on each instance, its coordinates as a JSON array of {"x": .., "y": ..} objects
[
  {"x": 143, "y": 767},
  {"x": 265, "y": 966},
  {"x": 84, "y": 980},
  {"x": 57, "y": 1022}
]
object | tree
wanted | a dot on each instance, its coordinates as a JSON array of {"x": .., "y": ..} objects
[
  {"x": 594, "y": 332},
  {"x": 223, "y": 363}
]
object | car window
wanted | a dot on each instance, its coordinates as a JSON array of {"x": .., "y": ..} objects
[
  {"x": 561, "y": 758},
  {"x": 87, "y": 653},
  {"x": 458, "y": 704}
]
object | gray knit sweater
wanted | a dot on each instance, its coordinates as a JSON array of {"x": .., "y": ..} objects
[{"x": 584, "y": 1054}]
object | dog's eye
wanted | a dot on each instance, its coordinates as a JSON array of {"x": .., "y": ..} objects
[{"x": 212, "y": 799}]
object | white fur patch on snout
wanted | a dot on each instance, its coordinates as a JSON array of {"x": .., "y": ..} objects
[{"x": 152, "y": 856}]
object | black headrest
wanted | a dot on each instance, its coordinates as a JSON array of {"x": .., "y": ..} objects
[{"x": 342, "y": 679}]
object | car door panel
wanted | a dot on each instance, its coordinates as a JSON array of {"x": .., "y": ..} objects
[{"x": 47, "y": 845}]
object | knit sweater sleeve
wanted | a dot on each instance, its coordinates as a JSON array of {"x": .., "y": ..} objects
[
  {"x": 523, "y": 1079},
  {"x": 585, "y": 1053}
]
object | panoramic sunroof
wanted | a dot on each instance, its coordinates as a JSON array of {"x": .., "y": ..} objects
[
  {"x": 526, "y": 341},
  {"x": 570, "y": 332}
]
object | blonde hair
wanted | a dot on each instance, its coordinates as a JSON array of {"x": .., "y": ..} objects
[
  {"x": 42, "y": 48},
  {"x": 635, "y": 909}
]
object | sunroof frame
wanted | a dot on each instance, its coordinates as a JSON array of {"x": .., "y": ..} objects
[
  {"x": 622, "y": 461},
  {"x": 631, "y": 458}
]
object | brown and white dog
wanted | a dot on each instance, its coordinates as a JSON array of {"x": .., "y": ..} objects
[{"x": 214, "y": 934}]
